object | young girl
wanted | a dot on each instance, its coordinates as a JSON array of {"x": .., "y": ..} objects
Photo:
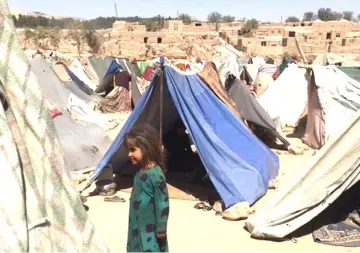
[{"x": 149, "y": 201}]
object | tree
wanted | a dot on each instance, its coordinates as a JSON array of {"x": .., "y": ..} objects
[
  {"x": 92, "y": 40},
  {"x": 227, "y": 19},
  {"x": 326, "y": 14},
  {"x": 185, "y": 18},
  {"x": 248, "y": 29},
  {"x": 309, "y": 16},
  {"x": 78, "y": 37},
  {"x": 214, "y": 17},
  {"x": 54, "y": 36},
  {"x": 292, "y": 19},
  {"x": 348, "y": 15},
  {"x": 358, "y": 17},
  {"x": 29, "y": 36}
]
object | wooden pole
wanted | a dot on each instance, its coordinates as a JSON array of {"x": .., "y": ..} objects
[
  {"x": 161, "y": 83},
  {"x": 301, "y": 51},
  {"x": 325, "y": 53}
]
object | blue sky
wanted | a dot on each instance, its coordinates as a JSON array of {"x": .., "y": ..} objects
[{"x": 264, "y": 10}]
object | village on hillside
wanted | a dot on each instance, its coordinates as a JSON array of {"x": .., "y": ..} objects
[{"x": 174, "y": 134}]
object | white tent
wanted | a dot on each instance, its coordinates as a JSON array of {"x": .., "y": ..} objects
[
  {"x": 286, "y": 98},
  {"x": 332, "y": 171}
]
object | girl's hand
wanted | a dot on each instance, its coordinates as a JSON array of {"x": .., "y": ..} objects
[{"x": 161, "y": 236}]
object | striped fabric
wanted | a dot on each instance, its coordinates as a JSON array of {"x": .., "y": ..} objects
[
  {"x": 40, "y": 210},
  {"x": 269, "y": 69}
]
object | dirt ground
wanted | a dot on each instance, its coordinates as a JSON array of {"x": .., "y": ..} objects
[{"x": 193, "y": 230}]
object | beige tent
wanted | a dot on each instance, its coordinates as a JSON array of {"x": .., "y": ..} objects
[
  {"x": 40, "y": 210},
  {"x": 61, "y": 72}
]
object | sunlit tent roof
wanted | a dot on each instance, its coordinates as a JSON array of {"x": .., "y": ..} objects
[{"x": 240, "y": 170}]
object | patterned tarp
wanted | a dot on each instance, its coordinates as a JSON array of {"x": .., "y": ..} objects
[{"x": 40, "y": 210}]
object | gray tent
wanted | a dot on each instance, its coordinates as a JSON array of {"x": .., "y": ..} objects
[{"x": 83, "y": 143}]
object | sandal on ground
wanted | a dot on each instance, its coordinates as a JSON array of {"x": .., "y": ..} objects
[
  {"x": 200, "y": 205},
  {"x": 207, "y": 208},
  {"x": 115, "y": 199}
]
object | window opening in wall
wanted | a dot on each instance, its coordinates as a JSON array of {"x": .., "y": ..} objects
[
  {"x": 328, "y": 36},
  {"x": 159, "y": 40},
  {"x": 338, "y": 35},
  {"x": 292, "y": 34},
  {"x": 284, "y": 42},
  {"x": 305, "y": 38},
  {"x": 197, "y": 24},
  {"x": 343, "y": 43},
  {"x": 263, "y": 43},
  {"x": 146, "y": 40},
  {"x": 302, "y": 24}
]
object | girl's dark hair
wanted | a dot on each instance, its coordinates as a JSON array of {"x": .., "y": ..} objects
[{"x": 146, "y": 138}]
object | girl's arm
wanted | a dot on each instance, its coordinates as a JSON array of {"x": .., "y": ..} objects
[{"x": 161, "y": 200}]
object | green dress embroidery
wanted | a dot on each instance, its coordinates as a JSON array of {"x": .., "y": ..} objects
[{"x": 149, "y": 212}]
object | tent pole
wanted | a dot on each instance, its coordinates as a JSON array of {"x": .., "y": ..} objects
[{"x": 161, "y": 83}]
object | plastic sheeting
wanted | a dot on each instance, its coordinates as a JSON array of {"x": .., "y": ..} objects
[
  {"x": 333, "y": 170},
  {"x": 240, "y": 170},
  {"x": 286, "y": 98},
  {"x": 83, "y": 143}
]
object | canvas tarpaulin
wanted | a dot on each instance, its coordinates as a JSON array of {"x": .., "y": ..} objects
[
  {"x": 240, "y": 170},
  {"x": 353, "y": 72},
  {"x": 79, "y": 70},
  {"x": 83, "y": 143},
  {"x": 210, "y": 77},
  {"x": 40, "y": 210},
  {"x": 248, "y": 107},
  {"x": 339, "y": 97},
  {"x": 100, "y": 66},
  {"x": 333, "y": 170},
  {"x": 251, "y": 111},
  {"x": 286, "y": 98}
]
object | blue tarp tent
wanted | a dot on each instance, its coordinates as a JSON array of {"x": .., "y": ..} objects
[
  {"x": 239, "y": 165},
  {"x": 116, "y": 66}
]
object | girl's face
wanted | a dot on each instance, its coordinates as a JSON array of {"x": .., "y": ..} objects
[{"x": 134, "y": 153}]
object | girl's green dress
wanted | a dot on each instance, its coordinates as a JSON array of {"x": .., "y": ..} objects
[{"x": 149, "y": 212}]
